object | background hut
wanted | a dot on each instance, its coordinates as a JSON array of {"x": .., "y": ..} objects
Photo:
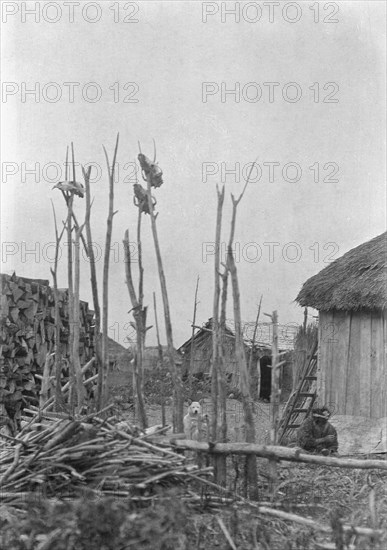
[
  {"x": 119, "y": 357},
  {"x": 351, "y": 296},
  {"x": 202, "y": 353}
]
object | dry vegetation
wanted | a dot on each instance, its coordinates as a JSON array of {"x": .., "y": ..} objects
[{"x": 103, "y": 493}]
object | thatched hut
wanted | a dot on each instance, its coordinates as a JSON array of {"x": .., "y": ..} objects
[{"x": 351, "y": 296}]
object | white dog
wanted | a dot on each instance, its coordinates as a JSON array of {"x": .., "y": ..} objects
[{"x": 195, "y": 423}]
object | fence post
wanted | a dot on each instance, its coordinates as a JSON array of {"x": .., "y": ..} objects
[{"x": 274, "y": 399}]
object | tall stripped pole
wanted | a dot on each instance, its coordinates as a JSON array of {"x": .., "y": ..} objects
[
  {"x": 275, "y": 390},
  {"x": 105, "y": 282},
  {"x": 254, "y": 371},
  {"x": 69, "y": 200},
  {"x": 68, "y": 189},
  {"x": 149, "y": 170},
  {"x": 139, "y": 314},
  {"x": 215, "y": 319},
  {"x": 160, "y": 362},
  {"x": 81, "y": 392},
  {"x": 159, "y": 348},
  {"x": 248, "y": 406},
  {"x": 94, "y": 288},
  {"x": 245, "y": 382},
  {"x": 192, "y": 356},
  {"x": 59, "y": 401},
  {"x": 276, "y": 365}
]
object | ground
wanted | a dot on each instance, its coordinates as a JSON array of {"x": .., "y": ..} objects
[
  {"x": 199, "y": 517},
  {"x": 121, "y": 393},
  {"x": 327, "y": 495}
]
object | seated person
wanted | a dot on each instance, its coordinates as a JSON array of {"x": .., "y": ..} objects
[{"x": 316, "y": 434}]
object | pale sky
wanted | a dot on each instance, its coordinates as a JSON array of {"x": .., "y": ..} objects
[{"x": 331, "y": 118}]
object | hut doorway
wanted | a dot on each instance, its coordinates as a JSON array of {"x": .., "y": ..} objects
[{"x": 265, "y": 370}]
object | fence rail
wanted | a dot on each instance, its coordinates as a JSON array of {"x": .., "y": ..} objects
[{"x": 274, "y": 452}]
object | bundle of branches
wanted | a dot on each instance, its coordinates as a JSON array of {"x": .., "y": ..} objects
[{"x": 63, "y": 457}]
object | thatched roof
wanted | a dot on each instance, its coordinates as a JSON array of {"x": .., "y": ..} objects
[{"x": 357, "y": 280}]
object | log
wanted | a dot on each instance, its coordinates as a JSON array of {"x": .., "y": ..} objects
[
  {"x": 280, "y": 453},
  {"x": 317, "y": 526}
]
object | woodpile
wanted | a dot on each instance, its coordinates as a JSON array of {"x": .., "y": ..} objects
[
  {"x": 63, "y": 457},
  {"x": 27, "y": 335}
]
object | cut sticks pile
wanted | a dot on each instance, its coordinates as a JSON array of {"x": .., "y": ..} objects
[{"x": 60, "y": 458}]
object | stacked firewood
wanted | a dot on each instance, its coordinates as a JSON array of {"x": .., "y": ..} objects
[
  {"x": 65, "y": 457},
  {"x": 27, "y": 335}
]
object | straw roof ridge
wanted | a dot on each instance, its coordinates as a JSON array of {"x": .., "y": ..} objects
[{"x": 357, "y": 280}]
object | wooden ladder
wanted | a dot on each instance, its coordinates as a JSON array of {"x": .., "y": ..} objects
[{"x": 302, "y": 399}]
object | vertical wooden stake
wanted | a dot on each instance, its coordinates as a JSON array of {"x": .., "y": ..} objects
[
  {"x": 94, "y": 289},
  {"x": 274, "y": 399},
  {"x": 105, "y": 282},
  {"x": 139, "y": 314},
  {"x": 75, "y": 351},
  {"x": 159, "y": 347},
  {"x": 178, "y": 398},
  {"x": 248, "y": 407},
  {"x": 160, "y": 361},
  {"x": 69, "y": 200},
  {"x": 192, "y": 356},
  {"x": 305, "y": 319},
  {"x": 253, "y": 371},
  {"x": 219, "y": 472},
  {"x": 59, "y": 400}
]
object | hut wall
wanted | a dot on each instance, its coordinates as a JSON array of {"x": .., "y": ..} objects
[
  {"x": 203, "y": 356},
  {"x": 351, "y": 373}
]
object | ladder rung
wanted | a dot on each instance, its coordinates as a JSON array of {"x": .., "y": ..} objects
[
  {"x": 306, "y": 394},
  {"x": 293, "y": 426},
  {"x": 310, "y": 378},
  {"x": 300, "y": 410}
]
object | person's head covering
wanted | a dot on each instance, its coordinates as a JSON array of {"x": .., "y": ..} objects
[{"x": 321, "y": 413}]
